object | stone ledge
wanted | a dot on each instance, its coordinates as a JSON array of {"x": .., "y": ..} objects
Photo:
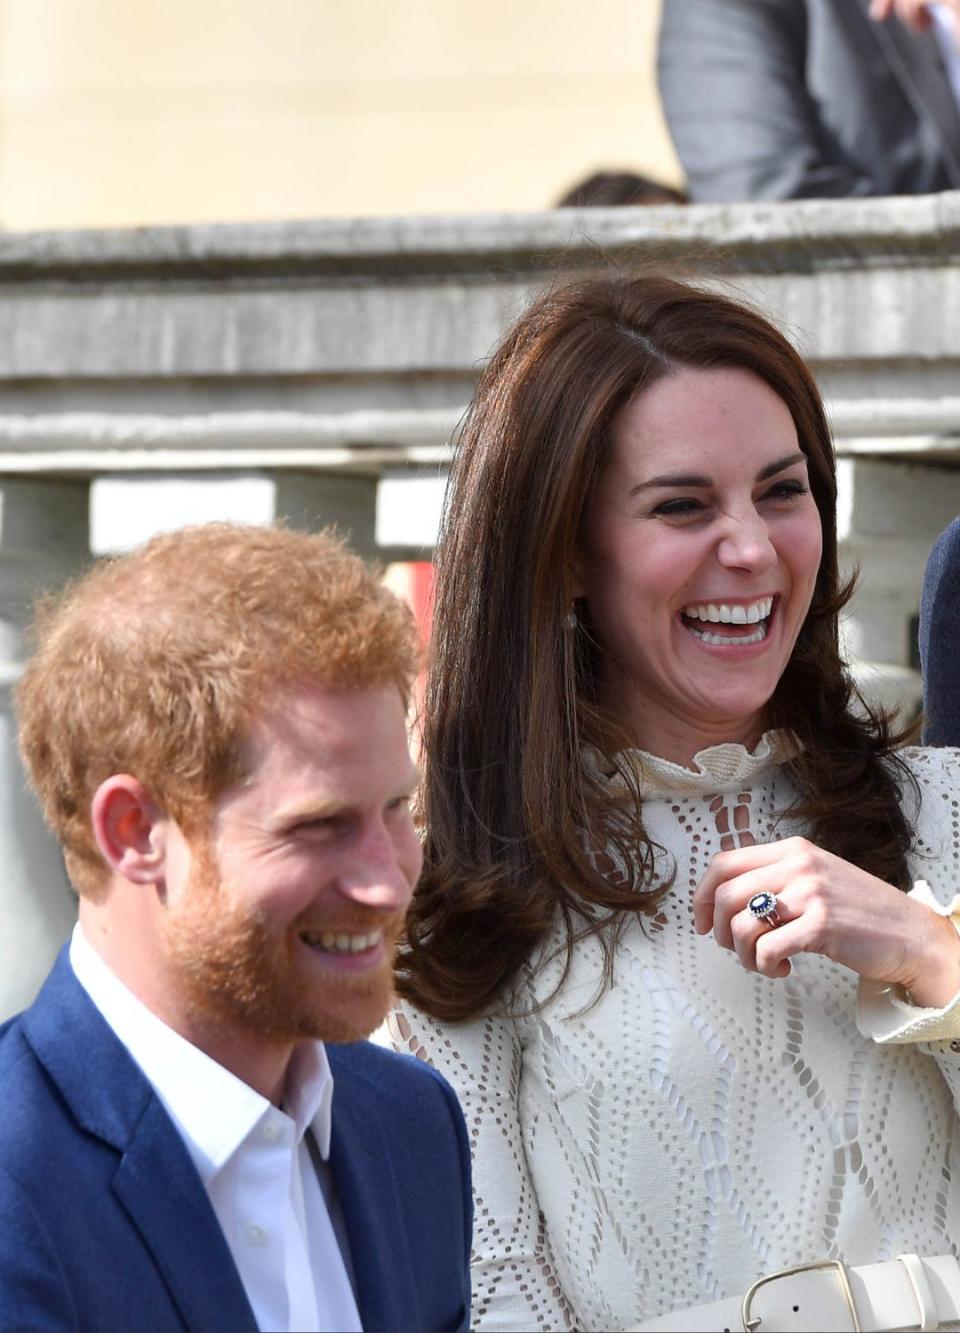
[
  {"x": 841, "y": 232},
  {"x": 365, "y": 441}
]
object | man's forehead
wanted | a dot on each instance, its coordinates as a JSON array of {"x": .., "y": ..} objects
[{"x": 319, "y": 727}]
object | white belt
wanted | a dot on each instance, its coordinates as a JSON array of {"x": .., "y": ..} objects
[{"x": 828, "y": 1297}]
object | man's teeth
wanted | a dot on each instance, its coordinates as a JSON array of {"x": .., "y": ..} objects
[
  {"x": 331, "y": 943},
  {"x": 720, "y": 613}
]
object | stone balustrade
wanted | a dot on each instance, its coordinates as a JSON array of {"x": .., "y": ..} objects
[{"x": 318, "y": 357}]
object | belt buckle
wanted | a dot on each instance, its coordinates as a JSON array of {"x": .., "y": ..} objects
[{"x": 839, "y": 1267}]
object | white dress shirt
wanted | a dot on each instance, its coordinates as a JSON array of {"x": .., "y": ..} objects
[{"x": 252, "y": 1157}]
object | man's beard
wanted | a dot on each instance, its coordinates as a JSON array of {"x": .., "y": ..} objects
[{"x": 237, "y": 969}]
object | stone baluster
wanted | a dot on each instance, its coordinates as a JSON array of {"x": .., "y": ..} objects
[{"x": 43, "y": 541}]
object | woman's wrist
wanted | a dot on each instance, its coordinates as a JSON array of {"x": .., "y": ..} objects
[{"x": 937, "y": 978}]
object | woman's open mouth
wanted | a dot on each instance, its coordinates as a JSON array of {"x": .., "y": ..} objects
[{"x": 743, "y": 623}]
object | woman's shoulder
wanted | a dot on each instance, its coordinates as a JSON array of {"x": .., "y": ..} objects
[
  {"x": 936, "y": 767},
  {"x": 930, "y": 795}
]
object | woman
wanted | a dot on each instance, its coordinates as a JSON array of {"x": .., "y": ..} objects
[{"x": 663, "y": 845}]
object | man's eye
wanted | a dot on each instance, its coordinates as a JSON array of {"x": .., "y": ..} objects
[{"x": 319, "y": 827}]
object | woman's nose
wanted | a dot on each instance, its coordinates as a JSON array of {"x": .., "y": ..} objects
[{"x": 746, "y": 544}]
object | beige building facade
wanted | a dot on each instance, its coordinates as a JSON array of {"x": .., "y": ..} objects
[{"x": 146, "y": 112}]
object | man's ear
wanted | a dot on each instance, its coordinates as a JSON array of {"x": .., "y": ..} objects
[{"x": 129, "y": 828}]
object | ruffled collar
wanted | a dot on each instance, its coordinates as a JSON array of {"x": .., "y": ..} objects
[{"x": 718, "y": 768}]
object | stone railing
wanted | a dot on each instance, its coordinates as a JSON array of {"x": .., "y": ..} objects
[{"x": 318, "y": 357}]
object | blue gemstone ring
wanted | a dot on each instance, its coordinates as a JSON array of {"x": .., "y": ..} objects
[{"x": 764, "y": 907}]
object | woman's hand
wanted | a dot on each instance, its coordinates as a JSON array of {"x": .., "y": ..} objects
[{"x": 830, "y": 907}]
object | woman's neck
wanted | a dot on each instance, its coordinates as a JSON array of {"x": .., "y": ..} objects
[{"x": 680, "y": 739}]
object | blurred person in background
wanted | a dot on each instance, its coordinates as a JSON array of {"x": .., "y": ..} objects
[
  {"x": 668, "y": 945},
  {"x": 611, "y": 189},
  {"x": 794, "y": 99},
  {"x": 940, "y": 640}
]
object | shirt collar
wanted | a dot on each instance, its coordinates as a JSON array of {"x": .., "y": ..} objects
[
  {"x": 308, "y": 1097},
  {"x": 213, "y": 1110}
]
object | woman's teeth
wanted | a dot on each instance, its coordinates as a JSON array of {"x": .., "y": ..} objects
[
  {"x": 755, "y": 613},
  {"x": 722, "y": 614},
  {"x": 330, "y": 943},
  {"x": 721, "y": 640}
]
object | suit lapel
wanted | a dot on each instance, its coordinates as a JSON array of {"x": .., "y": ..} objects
[
  {"x": 367, "y": 1190},
  {"x": 155, "y": 1180},
  {"x": 158, "y": 1186}
]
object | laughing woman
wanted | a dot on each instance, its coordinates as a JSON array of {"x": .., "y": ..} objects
[{"x": 668, "y": 945}]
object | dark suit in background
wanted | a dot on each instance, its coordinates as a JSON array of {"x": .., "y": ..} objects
[
  {"x": 789, "y": 99},
  {"x": 940, "y": 640}
]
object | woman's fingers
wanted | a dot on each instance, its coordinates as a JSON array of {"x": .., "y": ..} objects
[
  {"x": 731, "y": 899},
  {"x": 727, "y": 867},
  {"x": 826, "y": 906},
  {"x": 777, "y": 946},
  {"x": 745, "y": 931}
]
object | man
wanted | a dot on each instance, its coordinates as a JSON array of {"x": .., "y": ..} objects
[
  {"x": 193, "y": 1136},
  {"x": 793, "y": 99},
  {"x": 940, "y": 640}
]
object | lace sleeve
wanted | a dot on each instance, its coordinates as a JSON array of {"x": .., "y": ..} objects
[
  {"x": 883, "y": 1013},
  {"x": 514, "y": 1282}
]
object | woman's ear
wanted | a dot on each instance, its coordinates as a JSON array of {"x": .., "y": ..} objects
[{"x": 129, "y": 828}]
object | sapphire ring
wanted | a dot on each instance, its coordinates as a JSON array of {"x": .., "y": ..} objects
[{"x": 764, "y": 907}]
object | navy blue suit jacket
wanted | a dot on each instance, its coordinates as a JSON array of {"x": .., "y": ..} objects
[
  {"x": 940, "y": 640},
  {"x": 104, "y": 1222}
]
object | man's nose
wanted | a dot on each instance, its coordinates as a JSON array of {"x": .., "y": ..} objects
[{"x": 378, "y": 872}]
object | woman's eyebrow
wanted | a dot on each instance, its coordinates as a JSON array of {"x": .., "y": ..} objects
[
  {"x": 787, "y": 461},
  {"x": 672, "y": 479},
  {"x": 695, "y": 479}
]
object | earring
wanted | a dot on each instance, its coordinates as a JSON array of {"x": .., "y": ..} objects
[{"x": 570, "y": 619}]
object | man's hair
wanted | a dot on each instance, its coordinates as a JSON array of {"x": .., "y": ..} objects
[{"x": 155, "y": 664}]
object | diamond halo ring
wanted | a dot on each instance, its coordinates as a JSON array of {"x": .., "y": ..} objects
[{"x": 764, "y": 907}]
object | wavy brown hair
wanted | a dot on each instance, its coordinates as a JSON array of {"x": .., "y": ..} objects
[{"x": 511, "y": 813}]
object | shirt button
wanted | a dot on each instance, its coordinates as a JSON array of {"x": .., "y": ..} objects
[
  {"x": 271, "y": 1132},
  {"x": 955, "y": 1045},
  {"x": 256, "y": 1235}
]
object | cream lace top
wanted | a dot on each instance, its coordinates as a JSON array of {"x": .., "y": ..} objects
[{"x": 702, "y": 1125}]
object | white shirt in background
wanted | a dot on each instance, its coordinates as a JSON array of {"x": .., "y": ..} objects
[
  {"x": 947, "y": 30},
  {"x": 253, "y": 1158}
]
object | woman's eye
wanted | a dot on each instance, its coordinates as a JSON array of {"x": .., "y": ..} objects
[
  {"x": 785, "y": 490},
  {"x": 679, "y": 508}
]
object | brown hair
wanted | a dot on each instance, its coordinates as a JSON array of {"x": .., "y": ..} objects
[
  {"x": 609, "y": 189},
  {"x": 510, "y": 811},
  {"x": 154, "y": 663}
]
